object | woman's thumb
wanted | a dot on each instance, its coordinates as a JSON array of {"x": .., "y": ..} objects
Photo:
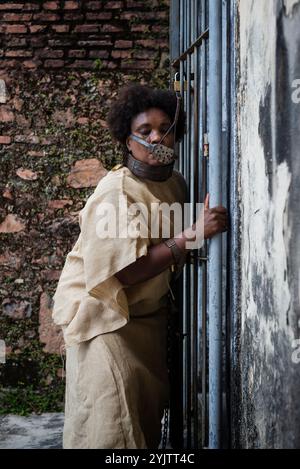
[{"x": 206, "y": 202}]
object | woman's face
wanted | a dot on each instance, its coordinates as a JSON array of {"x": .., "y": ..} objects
[{"x": 150, "y": 125}]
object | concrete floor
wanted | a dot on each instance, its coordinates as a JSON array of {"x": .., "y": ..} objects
[{"x": 33, "y": 432}]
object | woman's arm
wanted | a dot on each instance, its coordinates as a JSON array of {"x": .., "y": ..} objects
[{"x": 158, "y": 259}]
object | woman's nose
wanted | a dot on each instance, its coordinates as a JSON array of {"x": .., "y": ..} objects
[{"x": 155, "y": 136}]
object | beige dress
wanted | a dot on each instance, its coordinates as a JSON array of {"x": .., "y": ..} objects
[{"x": 115, "y": 336}]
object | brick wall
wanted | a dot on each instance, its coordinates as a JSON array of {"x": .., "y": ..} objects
[
  {"x": 83, "y": 34},
  {"x": 61, "y": 65}
]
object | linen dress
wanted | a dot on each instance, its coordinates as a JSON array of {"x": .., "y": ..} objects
[{"x": 115, "y": 336}]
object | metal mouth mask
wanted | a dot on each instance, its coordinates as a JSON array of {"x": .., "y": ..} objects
[{"x": 161, "y": 152}]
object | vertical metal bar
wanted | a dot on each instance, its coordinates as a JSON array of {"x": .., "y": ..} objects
[
  {"x": 182, "y": 170},
  {"x": 198, "y": 270},
  {"x": 202, "y": 269},
  {"x": 206, "y": 185},
  {"x": 176, "y": 411},
  {"x": 195, "y": 172},
  {"x": 189, "y": 267},
  {"x": 184, "y": 275},
  {"x": 215, "y": 247},
  {"x": 174, "y": 45},
  {"x": 174, "y": 30},
  {"x": 181, "y": 45},
  {"x": 192, "y": 267},
  {"x": 198, "y": 18}
]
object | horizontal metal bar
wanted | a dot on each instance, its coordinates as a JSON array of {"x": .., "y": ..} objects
[
  {"x": 192, "y": 257},
  {"x": 190, "y": 50},
  {"x": 203, "y": 259}
]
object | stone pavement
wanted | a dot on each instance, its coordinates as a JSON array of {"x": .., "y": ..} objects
[{"x": 33, "y": 432}]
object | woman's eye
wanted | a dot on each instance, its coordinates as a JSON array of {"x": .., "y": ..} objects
[
  {"x": 148, "y": 131},
  {"x": 144, "y": 132}
]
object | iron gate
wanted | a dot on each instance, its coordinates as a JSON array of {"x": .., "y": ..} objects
[{"x": 202, "y": 388}]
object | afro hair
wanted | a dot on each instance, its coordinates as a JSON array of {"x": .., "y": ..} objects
[{"x": 135, "y": 98}]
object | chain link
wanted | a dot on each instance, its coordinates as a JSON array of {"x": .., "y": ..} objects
[
  {"x": 166, "y": 427},
  {"x": 169, "y": 355}
]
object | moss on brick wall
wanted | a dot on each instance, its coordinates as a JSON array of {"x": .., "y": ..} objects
[
  {"x": 54, "y": 147},
  {"x": 56, "y": 120}
]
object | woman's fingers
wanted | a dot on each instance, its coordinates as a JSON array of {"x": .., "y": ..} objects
[
  {"x": 216, "y": 215},
  {"x": 221, "y": 216},
  {"x": 219, "y": 209},
  {"x": 206, "y": 201}
]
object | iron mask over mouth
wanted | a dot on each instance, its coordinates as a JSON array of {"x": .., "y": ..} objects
[{"x": 160, "y": 152}]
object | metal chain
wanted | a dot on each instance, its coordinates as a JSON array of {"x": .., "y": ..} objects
[
  {"x": 169, "y": 346},
  {"x": 165, "y": 430}
]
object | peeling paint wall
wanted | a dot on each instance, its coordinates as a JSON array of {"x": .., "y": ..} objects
[{"x": 267, "y": 412}]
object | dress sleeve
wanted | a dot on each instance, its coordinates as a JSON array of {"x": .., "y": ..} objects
[{"x": 110, "y": 241}]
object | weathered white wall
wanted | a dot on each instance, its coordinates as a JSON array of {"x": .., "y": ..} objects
[{"x": 268, "y": 413}]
